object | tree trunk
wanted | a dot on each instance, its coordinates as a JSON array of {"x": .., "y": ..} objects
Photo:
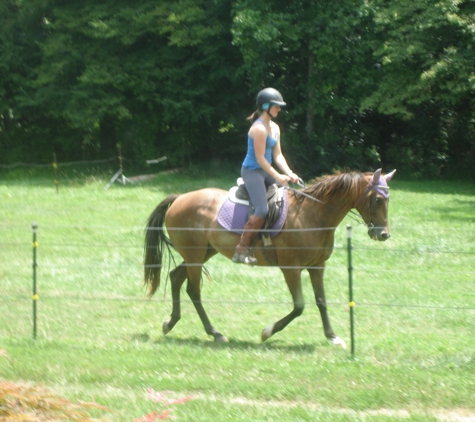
[{"x": 107, "y": 136}]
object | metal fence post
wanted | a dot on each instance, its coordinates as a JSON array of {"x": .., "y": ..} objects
[
  {"x": 34, "y": 297},
  {"x": 351, "y": 302},
  {"x": 55, "y": 166}
]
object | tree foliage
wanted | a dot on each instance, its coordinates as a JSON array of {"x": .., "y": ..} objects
[
  {"x": 425, "y": 52},
  {"x": 368, "y": 83}
]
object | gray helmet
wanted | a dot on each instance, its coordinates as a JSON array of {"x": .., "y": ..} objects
[{"x": 271, "y": 96}]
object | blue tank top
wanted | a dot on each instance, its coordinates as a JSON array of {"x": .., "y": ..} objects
[{"x": 250, "y": 161}]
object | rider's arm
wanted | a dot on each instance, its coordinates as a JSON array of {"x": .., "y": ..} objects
[{"x": 259, "y": 134}]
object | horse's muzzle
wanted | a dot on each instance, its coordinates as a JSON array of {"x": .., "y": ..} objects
[{"x": 379, "y": 233}]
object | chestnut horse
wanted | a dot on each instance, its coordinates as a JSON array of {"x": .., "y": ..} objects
[{"x": 313, "y": 215}]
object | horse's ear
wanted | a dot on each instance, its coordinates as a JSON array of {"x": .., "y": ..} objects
[
  {"x": 376, "y": 177},
  {"x": 389, "y": 176}
]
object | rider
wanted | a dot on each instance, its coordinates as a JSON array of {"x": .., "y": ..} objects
[{"x": 263, "y": 148}]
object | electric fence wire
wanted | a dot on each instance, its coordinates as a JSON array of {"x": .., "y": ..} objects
[
  {"x": 60, "y": 297},
  {"x": 105, "y": 265},
  {"x": 49, "y": 226}
]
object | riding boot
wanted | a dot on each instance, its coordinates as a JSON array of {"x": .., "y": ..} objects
[{"x": 251, "y": 229}]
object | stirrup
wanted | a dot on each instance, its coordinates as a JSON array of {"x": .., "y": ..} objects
[{"x": 244, "y": 258}]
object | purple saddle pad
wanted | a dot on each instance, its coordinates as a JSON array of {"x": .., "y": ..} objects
[{"x": 233, "y": 216}]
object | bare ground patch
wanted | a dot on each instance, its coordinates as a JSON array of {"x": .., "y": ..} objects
[{"x": 456, "y": 415}]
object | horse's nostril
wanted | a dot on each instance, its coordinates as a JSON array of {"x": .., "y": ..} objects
[{"x": 385, "y": 235}]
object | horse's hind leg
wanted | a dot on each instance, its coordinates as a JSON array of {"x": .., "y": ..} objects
[
  {"x": 194, "y": 292},
  {"x": 316, "y": 275},
  {"x": 177, "y": 276}
]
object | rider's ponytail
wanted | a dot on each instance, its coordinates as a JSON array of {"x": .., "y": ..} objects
[{"x": 254, "y": 116}]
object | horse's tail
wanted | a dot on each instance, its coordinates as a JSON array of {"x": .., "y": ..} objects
[{"x": 155, "y": 242}]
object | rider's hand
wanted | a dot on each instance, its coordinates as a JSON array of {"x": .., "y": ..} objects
[
  {"x": 283, "y": 180},
  {"x": 293, "y": 177}
]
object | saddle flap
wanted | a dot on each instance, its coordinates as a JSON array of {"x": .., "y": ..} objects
[{"x": 233, "y": 214}]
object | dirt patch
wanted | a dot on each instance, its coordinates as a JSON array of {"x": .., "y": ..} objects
[
  {"x": 453, "y": 415},
  {"x": 25, "y": 402}
]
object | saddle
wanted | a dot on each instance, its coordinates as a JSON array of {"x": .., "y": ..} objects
[{"x": 275, "y": 199}]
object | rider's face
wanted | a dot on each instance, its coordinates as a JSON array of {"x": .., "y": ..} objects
[{"x": 274, "y": 110}]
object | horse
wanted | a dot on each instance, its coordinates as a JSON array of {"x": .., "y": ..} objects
[{"x": 314, "y": 213}]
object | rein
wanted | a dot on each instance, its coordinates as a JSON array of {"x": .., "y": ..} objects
[
  {"x": 381, "y": 189},
  {"x": 295, "y": 191}
]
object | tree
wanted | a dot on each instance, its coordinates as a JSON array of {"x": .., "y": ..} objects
[
  {"x": 143, "y": 74},
  {"x": 319, "y": 55},
  {"x": 368, "y": 84},
  {"x": 21, "y": 29},
  {"x": 426, "y": 53}
]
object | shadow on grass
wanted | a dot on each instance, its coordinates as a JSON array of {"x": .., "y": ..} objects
[
  {"x": 271, "y": 345},
  {"x": 442, "y": 187},
  {"x": 457, "y": 210}
]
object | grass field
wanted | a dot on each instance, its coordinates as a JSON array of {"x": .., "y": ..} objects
[{"x": 99, "y": 339}]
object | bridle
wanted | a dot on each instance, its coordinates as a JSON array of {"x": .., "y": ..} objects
[{"x": 383, "y": 190}]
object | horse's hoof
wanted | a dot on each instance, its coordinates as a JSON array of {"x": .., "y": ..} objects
[
  {"x": 267, "y": 333},
  {"x": 165, "y": 328},
  {"x": 337, "y": 341},
  {"x": 220, "y": 339}
]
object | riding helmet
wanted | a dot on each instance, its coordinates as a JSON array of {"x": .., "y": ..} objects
[{"x": 271, "y": 96}]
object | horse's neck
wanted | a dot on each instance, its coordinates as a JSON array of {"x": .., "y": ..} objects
[
  {"x": 330, "y": 214},
  {"x": 334, "y": 213},
  {"x": 343, "y": 205}
]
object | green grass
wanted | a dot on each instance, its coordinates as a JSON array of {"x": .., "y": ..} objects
[{"x": 100, "y": 340}]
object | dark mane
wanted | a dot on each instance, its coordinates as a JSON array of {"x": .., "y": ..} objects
[{"x": 325, "y": 187}]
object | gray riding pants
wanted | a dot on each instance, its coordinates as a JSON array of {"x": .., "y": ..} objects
[{"x": 256, "y": 182}]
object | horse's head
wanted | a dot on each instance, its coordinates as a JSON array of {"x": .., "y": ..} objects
[{"x": 373, "y": 205}]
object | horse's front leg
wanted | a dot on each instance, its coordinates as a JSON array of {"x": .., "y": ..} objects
[
  {"x": 293, "y": 280},
  {"x": 194, "y": 292},
  {"x": 316, "y": 275}
]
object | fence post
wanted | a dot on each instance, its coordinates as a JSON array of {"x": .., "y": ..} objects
[
  {"x": 351, "y": 302},
  {"x": 34, "y": 297},
  {"x": 56, "y": 179},
  {"x": 119, "y": 147}
]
